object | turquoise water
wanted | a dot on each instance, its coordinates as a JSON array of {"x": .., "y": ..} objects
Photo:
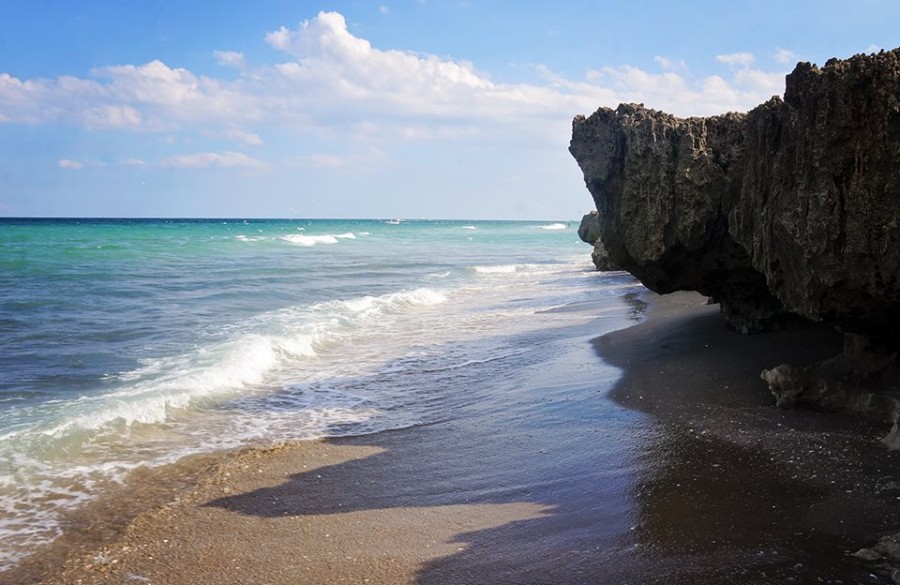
[{"x": 127, "y": 343}]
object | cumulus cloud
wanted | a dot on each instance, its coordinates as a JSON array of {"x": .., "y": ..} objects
[
  {"x": 328, "y": 57},
  {"x": 174, "y": 93},
  {"x": 331, "y": 82},
  {"x": 150, "y": 97},
  {"x": 65, "y": 163},
  {"x": 328, "y": 60}
]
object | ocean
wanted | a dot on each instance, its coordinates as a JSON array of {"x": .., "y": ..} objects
[{"x": 134, "y": 343}]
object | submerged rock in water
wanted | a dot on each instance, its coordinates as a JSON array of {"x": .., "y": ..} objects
[{"x": 787, "y": 212}]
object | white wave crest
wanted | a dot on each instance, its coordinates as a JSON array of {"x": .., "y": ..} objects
[
  {"x": 369, "y": 306},
  {"x": 304, "y": 240},
  {"x": 152, "y": 393},
  {"x": 498, "y": 269},
  {"x": 553, "y": 226}
]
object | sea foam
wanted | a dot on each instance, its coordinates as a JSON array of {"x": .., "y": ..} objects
[
  {"x": 305, "y": 240},
  {"x": 210, "y": 373},
  {"x": 497, "y": 269}
]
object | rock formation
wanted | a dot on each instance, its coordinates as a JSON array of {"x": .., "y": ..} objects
[
  {"x": 789, "y": 211},
  {"x": 589, "y": 232},
  {"x": 589, "y": 229}
]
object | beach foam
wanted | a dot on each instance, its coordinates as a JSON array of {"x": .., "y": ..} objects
[{"x": 497, "y": 269}]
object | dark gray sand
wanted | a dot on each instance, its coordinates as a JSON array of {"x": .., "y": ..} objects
[{"x": 685, "y": 473}]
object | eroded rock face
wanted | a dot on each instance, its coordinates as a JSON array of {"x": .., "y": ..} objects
[
  {"x": 589, "y": 228},
  {"x": 589, "y": 233},
  {"x": 663, "y": 188},
  {"x": 792, "y": 209}
]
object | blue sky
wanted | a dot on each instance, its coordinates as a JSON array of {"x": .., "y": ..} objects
[{"x": 400, "y": 108}]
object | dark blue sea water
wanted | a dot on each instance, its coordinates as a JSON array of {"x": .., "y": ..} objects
[{"x": 127, "y": 343}]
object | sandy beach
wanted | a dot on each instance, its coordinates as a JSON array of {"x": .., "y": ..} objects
[{"x": 684, "y": 473}]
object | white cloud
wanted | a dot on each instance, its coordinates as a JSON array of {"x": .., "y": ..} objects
[
  {"x": 147, "y": 97},
  {"x": 736, "y": 59},
  {"x": 384, "y": 9},
  {"x": 334, "y": 86},
  {"x": 760, "y": 82},
  {"x": 111, "y": 117},
  {"x": 172, "y": 95},
  {"x": 329, "y": 57},
  {"x": 65, "y": 163},
  {"x": 226, "y": 160},
  {"x": 230, "y": 59},
  {"x": 785, "y": 56},
  {"x": 668, "y": 64},
  {"x": 27, "y": 101}
]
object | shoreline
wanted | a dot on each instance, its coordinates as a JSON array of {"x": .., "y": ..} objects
[{"x": 684, "y": 472}]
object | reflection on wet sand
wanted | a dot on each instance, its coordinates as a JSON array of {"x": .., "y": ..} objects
[{"x": 731, "y": 489}]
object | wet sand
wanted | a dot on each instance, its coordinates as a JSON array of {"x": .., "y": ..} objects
[
  {"x": 684, "y": 473},
  {"x": 733, "y": 489}
]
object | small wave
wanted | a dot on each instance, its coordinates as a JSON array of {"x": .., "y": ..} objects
[
  {"x": 243, "y": 238},
  {"x": 468, "y": 227},
  {"x": 553, "y": 226},
  {"x": 151, "y": 392},
  {"x": 438, "y": 275},
  {"x": 498, "y": 269},
  {"x": 368, "y": 306},
  {"x": 207, "y": 375},
  {"x": 304, "y": 240}
]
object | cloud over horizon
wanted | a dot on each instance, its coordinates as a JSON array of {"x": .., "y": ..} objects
[{"x": 334, "y": 84}]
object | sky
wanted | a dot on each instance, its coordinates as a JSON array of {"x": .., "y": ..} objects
[{"x": 369, "y": 109}]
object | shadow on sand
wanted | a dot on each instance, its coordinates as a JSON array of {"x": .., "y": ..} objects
[{"x": 712, "y": 485}]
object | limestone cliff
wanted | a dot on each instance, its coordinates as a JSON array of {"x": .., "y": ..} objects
[{"x": 789, "y": 211}]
